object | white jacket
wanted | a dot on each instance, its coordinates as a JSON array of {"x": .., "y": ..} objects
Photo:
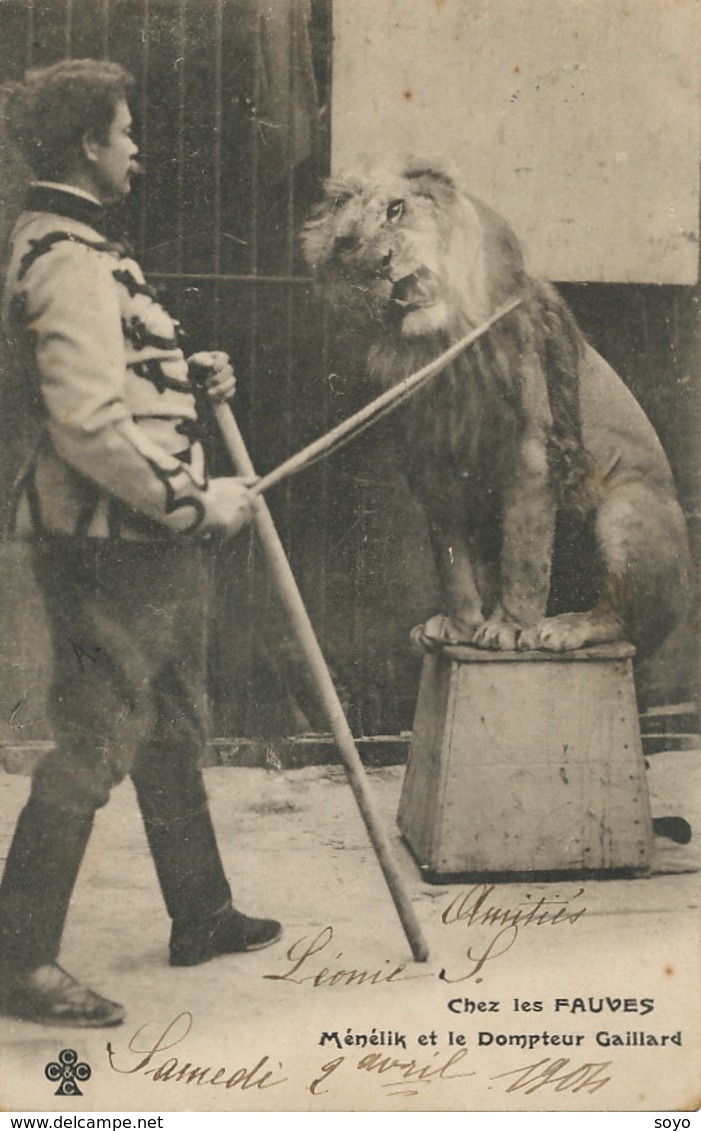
[{"x": 117, "y": 452}]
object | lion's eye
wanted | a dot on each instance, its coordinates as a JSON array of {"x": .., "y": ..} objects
[{"x": 395, "y": 209}]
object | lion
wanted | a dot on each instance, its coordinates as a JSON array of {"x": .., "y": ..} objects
[{"x": 550, "y": 502}]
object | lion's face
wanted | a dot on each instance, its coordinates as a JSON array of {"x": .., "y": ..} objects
[{"x": 407, "y": 248}]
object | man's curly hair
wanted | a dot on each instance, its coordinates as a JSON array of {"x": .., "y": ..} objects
[{"x": 49, "y": 113}]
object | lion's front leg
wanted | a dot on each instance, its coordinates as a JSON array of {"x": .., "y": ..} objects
[
  {"x": 528, "y": 530},
  {"x": 461, "y": 595}
]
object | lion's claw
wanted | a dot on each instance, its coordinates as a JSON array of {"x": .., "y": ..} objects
[
  {"x": 437, "y": 632},
  {"x": 527, "y": 640},
  {"x": 498, "y": 636},
  {"x": 570, "y": 631}
]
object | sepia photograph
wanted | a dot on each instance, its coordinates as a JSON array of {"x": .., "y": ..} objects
[{"x": 350, "y": 551}]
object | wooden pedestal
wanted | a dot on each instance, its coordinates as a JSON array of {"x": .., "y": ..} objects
[{"x": 525, "y": 763}]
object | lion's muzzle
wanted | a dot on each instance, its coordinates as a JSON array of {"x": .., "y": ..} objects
[{"x": 414, "y": 291}]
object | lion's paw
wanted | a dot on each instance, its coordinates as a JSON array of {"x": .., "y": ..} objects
[
  {"x": 437, "y": 632},
  {"x": 570, "y": 631},
  {"x": 499, "y": 636}
]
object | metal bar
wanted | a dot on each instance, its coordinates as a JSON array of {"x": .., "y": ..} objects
[
  {"x": 324, "y": 686},
  {"x": 143, "y": 116},
  {"x": 180, "y": 145},
  {"x": 105, "y": 28},
  {"x": 217, "y": 172},
  {"x": 290, "y": 152},
  {"x": 68, "y": 30},
  {"x": 30, "y": 33},
  {"x": 223, "y": 277},
  {"x": 325, "y": 478},
  {"x": 291, "y": 134},
  {"x": 255, "y": 156},
  {"x": 324, "y": 493},
  {"x": 253, "y": 30}
]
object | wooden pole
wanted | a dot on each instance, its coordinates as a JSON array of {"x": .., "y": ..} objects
[
  {"x": 319, "y": 672},
  {"x": 377, "y": 407}
]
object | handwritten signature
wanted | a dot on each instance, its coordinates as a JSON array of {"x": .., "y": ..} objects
[
  {"x": 473, "y": 909},
  {"x": 302, "y": 951}
]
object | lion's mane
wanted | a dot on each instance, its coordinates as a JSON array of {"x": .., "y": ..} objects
[{"x": 466, "y": 421}]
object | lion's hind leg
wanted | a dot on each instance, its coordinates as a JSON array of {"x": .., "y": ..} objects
[{"x": 642, "y": 541}]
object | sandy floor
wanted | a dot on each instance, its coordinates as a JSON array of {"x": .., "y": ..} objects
[{"x": 295, "y": 847}]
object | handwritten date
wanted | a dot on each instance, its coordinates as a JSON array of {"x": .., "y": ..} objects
[{"x": 585, "y": 1077}]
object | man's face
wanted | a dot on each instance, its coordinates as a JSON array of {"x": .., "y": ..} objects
[{"x": 112, "y": 164}]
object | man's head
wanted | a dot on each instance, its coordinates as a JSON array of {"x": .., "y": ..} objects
[{"x": 71, "y": 122}]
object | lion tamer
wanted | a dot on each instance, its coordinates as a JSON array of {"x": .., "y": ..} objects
[{"x": 550, "y": 501}]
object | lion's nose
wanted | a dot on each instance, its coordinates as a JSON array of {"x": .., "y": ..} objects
[{"x": 345, "y": 243}]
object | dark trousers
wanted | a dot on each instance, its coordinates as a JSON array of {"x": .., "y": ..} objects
[{"x": 128, "y": 624}]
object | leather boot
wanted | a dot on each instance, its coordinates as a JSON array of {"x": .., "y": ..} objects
[
  {"x": 227, "y": 932},
  {"x": 191, "y": 875},
  {"x": 183, "y": 844}
]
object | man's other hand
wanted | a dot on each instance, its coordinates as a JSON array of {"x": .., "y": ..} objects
[
  {"x": 218, "y": 374},
  {"x": 229, "y": 506}
]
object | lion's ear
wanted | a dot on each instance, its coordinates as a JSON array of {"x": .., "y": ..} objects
[{"x": 431, "y": 177}]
